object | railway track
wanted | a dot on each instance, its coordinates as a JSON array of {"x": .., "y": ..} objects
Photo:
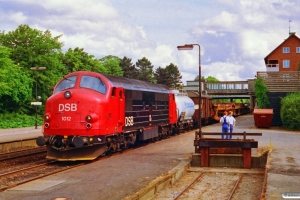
[
  {"x": 24, "y": 175},
  {"x": 22, "y": 153},
  {"x": 214, "y": 185}
]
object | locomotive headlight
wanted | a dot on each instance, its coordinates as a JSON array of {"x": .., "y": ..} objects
[
  {"x": 47, "y": 117},
  {"x": 67, "y": 95},
  {"x": 91, "y": 117},
  {"x": 88, "y": 118}
]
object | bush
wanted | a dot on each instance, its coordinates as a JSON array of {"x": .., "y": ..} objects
[
  {"x": 289, "y": 111},
  {"x": 261, "y": 90},
  {"x": 15, "y": 120}
]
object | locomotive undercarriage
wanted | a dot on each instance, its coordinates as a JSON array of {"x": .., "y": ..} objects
[
  {"x": 73, "y": 147},
  {"x": 186, "y": 126},
  {"x": 167, "y": 131},
  {"x": 120, "y": 141}
]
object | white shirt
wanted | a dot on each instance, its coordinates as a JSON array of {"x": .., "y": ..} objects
[
  {"x": 222, "y": 119},
  {"x": 231, "y": 119}
]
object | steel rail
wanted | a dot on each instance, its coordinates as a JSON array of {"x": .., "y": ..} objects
[
  {"x": 30, "y": 169},
  {"x": 21, "y": 153},
  {"x": 187, "y": 187},
  {"x": 236, "y": 184}
]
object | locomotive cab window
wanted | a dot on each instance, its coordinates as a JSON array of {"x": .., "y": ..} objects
[
  {"x": 93, "y": 83},
  {"x": 67, "y": 83}
]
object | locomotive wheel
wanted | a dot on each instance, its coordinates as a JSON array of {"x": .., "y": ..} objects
[
  {"x": 125, "y": 145},
  {"x": 175, "y": 131},
  {"x": 112, "y": 147},
  {"x": 205, "y": 121},
  {"x": 188, "y": 127}
]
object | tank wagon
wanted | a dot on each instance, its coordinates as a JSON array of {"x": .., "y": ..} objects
[
  {"x": 185, "y": 111},
  {"x": 90, "y": 114}
]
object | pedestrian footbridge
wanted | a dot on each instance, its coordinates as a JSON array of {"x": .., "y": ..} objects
[{"x": 225, "y": 89}]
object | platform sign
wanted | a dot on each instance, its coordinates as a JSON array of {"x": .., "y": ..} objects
[{"x": 36, "y": 103}]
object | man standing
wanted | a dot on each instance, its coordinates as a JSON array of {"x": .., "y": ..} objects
[
  {"x": 232, "y": 121},
  {"x": 224, "y": 121}
]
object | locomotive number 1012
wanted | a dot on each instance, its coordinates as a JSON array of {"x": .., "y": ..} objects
[{"x": 65, "y": 118}]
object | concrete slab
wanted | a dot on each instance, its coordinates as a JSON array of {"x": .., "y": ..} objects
[
  {"x": 227, "y": 170},
  {"x": 18, "y": 134},
  {"x": 37, "y": 185},
  {"x": 279, "y": 184}
]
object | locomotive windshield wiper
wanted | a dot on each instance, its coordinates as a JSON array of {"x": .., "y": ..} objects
[{"x": 66, "y": 79}]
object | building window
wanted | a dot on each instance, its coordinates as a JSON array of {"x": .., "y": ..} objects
[
  {"x": 230, "y": 86},
  {"x": 286, "y": 50},
  {"x": 297, "y": 49},
  {"x": 286, "y": 63}
]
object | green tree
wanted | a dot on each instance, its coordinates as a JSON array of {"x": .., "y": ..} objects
[
  {"x": 79, "y": 60},
  {"x": 174, "y": 76},
  {"x": 211, "y": 79},
  {"x": 289, "y": 111},
  {"x": 34, "y": 48},
  {"x": 261, "y": 90},
  {"x": 202, "y": 78},
  {"x": 129, "y": 70},
  {"x": 14, "y": 83},
  {"x": 112, "y": 65},
  {"x": 161, "y": 76},
  {"x": 169, "y": 76},
  {"x": 145, "y": 70}
]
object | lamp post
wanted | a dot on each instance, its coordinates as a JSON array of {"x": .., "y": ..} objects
[
  {"x": 190, "y": 47},
  {"x": 36, "y": 95}
]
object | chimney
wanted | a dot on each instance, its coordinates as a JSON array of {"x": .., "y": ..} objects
[{"x": 292, "y": 33}]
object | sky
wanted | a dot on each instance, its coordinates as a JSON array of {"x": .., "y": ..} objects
[{"x": 234, "y": 35}]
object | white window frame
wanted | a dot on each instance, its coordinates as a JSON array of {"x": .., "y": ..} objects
[
  {"x": 286, "y": 50},
  {"x": 297, "y": 49},
  {"x": 286, "y": 63}
]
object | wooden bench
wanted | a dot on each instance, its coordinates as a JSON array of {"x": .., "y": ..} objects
[{"x": 203, "y": 144}]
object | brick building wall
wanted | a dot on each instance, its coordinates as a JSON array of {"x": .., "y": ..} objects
[{"x": 277, "y": 54}]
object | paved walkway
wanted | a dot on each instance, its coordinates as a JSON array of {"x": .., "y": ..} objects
[{"x": 16, "y": 134}]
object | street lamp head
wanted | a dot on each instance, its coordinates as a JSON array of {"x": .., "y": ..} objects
[
  {"x": 37, "y": 68},
  {"x": 186, "y": 47}
]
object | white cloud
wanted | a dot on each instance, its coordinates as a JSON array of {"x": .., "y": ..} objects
[
  {"x": 235, "y": 36},
  {"x": 222, "y": 22},
  {"x": 18, "y": 17}
]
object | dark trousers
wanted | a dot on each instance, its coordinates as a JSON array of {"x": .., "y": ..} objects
[
  {"x": 230, "y": 130},
  {"x": 224, "y": 130}
]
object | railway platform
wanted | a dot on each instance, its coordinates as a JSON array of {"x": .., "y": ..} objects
[
  {"x": 18, "y": 137},
  {"x": 120, "y": 176},
  {"x": 15, "y": 134}
]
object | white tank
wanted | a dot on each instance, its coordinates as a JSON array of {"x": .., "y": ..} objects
[{"x": 185, "y": 107}]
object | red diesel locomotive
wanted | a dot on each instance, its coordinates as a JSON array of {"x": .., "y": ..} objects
[{"x": 90, "y": 114}]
